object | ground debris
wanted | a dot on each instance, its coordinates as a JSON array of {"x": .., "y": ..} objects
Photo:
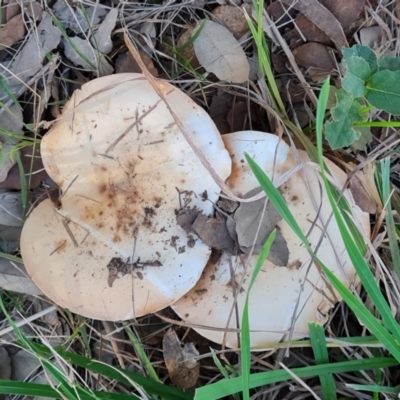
[
  {"x": 12, "y": 31},
  {"x": 186, "y": 216},
  {"x": 220, "y": 53},
  {"x": 213, "y": 232},
  {"x": 183, "y": 368}
]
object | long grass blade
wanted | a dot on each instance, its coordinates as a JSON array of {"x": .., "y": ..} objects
[
  {"x": 318, "y": 343},
  {"x": 41, "y": 390},
  {"x": 245, "y": 327},
  {"x": 225, "y": 387},
  {"x": 390, "y": 224}
]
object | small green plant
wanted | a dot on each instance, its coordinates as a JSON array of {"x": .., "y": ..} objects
[{"x": 369, "y": 82}]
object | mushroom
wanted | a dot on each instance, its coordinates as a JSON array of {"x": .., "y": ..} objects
[
  {"x": 284, "y": 299},
  {"x": 111, "y": 248}
]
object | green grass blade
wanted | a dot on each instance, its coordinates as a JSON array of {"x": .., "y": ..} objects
[
  {"x": 11, "y": 257},
  {"x": 218, "y": 364},
  {"x": 225, "y": 387},
  {"x": 374, "y": 388},
  {"x": 41, "y": 390},
  {"x": 9, "y": 93},
  {"x": 364, "y": 315},
  {"x": 141, "y": 354},
  {"x": 359, "y": 263},
  {"x": 263, "y": 56},
  {"x": 245, "y": 327},
  {"x": 390, "y": 224},
  {"x": 24, "y": 188},
  {"x": 122, "y": 376},
  {"x": 318, "y": 343}
]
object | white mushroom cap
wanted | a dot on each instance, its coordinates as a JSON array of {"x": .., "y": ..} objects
[
  {"x": 283, "y": 299},
  {"x": 119, "y": 200}
]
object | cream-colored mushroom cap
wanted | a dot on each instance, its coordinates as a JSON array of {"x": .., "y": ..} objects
[
  {"x": 112, "y": 249},
  {"x": 284, "y": 298}
]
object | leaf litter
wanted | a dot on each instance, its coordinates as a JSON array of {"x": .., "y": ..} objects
[
  {"x": 183, "y": 368},
  {"x": 220, "y": 53}
]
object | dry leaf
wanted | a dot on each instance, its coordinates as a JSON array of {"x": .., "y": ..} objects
[
  {"x": 24, "y": 365},
  {"x": 279, "y": 251},
  {"x": 33, "y": 181},
  {"x": 12, "y": 31},
  {"x": 364, "y": 190},
  {"x": 279, "y": 61},
  {"x": 345, "y": 11},
  {"x": 322, "y": 18},
  {"x": 187, "y": 54},
  {"x": 213, "y": 232},
  {"x": 183, "y": 369},
  {"x": 220, "y": 53},
  {"x": 14, "y": 278},
  {"x": 34, "y": 10},
  {"x": 70, "y": 17},
  {"x": 29, "y": 60},
  {"x": 12, "y": 9},
  {"x": 247, "y": 218},
  {"x": 314, "y": 55},
  {"x": 371, "y": 36},
  {"x": 100, "y": 65},
  {"x": 310, "y": 31},
  {"x": 11, "y": 121},
  {"x": 233, "y": 18},
  {"x": 218, "y": 111},
  {"x": 293, "y": 92},
  {"x": 10, "y": 208},
  {"x": 5, "y": 364},
  {"x": 126, "y": 63},
  {"x": 237, "y": 116},
  {"x": 280, "y": 12},
  {"x": 102, "y": 38}
]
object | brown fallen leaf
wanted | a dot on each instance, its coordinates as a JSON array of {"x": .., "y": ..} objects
[
  {"x": 345, "y": 11},
  {"x": 247, "y": 217},
  {"x": 314, "y": 55},
  {"x": 364, "y": 191},
  {"x": 126, "y": 63},
  {"x": 219, "y": 108},
  {"x": 293, "y": 92},
  {"x": 310, "y": 31},
  {"x": 13, "y": 8},
  {"x": 233, "y": 18},
  {"x": 12, "y": 31},
  {"x": 279, "y": 62},
  {"x": 185, "y": 218},
  {"x": 214, "y": 233},
  {"x": 237, "y": 116},
  {"x": 33, "y": 181},
  {"x": 280, "y": 12},
  {"x": 322, "y": 18},
  {"x": 183, "y": 368},
  {"x": 186, "y": 51}
]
